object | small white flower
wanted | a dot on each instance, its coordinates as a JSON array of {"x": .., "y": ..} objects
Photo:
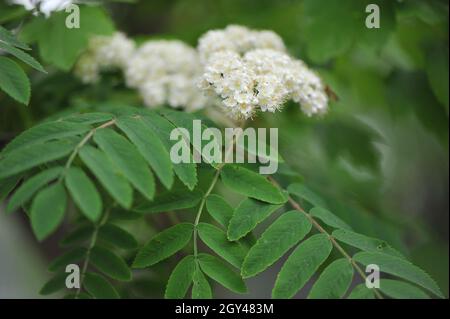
[{"x": 44, "y": 6}]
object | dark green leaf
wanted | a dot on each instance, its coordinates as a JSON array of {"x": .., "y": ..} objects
[
  {"x": 334, "y": 281},
  {"x": 117, "y": 236},
  {"x": 219, "y": 209},
  {"x": 169, "y": 201},
  {"x": 200, "y": 286},
  {"x": 14, "y": 81},
  {"x": 328, "y": 218},
  {"x": 251, "y": 184},
  {"x": 401, "y": 268},
  {"x": 115, "y": 184},
  {"x": 150, "y": 146},
  {"x": 47, "y": 210},
  {"x": 216, "y": 239},
  {"x": 180, "y": 279},
  {"x": 214, "y": 268},
  {"x": 99, "y": 287},
  {"x": 401, "y": 290},
  {"x": 70, "y": 257},
  {"x": 247, "y": 215},
  {"x": 84, "y": 193},
  {"x": 110, "y": 264},
  {"x": 31, "y": 186},
  {"x": 164, "y": 245},
  {"x": 276, "y": 240},
  {"x": 301, "y": 265},
  {"x": 127, "y": 159}
]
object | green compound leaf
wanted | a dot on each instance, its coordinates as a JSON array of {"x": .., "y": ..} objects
[
  {"x": 127, "y": 159},
  {"x": 334, "y": 281},
  {"x": 99, "y": 287},
  {"x": 14, "y": 81},
  {"x": 401, "y": 268},
  {"x": 84, "y": 193},
  {"x": 216, "y": 239},
  {"x": 27, "y": 190},
  {"x": 164, "y": 245},
  {"x": 47, "y": 210},
  {"x": 116, "y": 185},
  {"x": 214, "y": 268},
  {"x": 150, "y": 147},
  {"x": 277, "y": 239},
  {"x": 251, "y": 184},
  {"x": 110, "y": 264},
  {"x": 181, "y": 278},
  {"x": 301, "y": 266},
  {"x": 247, "y": 215}
]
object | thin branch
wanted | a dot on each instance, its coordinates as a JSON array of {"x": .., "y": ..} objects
[{"x": 316, "y": 225}]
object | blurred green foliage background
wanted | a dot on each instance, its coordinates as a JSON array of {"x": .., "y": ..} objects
[{"x": 381, "y": 154}]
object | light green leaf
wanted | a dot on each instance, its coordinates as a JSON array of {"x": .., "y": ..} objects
[
  {"x": 247, "y": 215},
  {"x": 47, "y": 210},
  {"x": 27, "y": 190},
  {"x": 8, "y": 37},
  {"x": 110, "y": 264},
  {"x": 216, "y": 239},
  {"x": 361, "y": 292},
  {"x": 276, "y": 240},
  {"x": 301, "y": 266},
  {"x": 127, "y": 159},
  {"x": 89, "y": 118},
  {"x": 33, "y": 155},
  {"x": 305, "y": 193},
  {"x": 70, "y": 257},
  {"x": 84, "y": 193},
  {"x": 251, "y": 184},
  {"x": 365, "y": 243},
  {"x": 186, "y": 172},
  {"x": 117, "y": 236},
  {"x": 181, "y": 278},
  {"x": 401, "y": 268},
  {"x": 101, "y": 167},
  {"x": 329, "y": 218},
  {"x": 169, "y": 201},
  {"x": 401, "y": 290},
  {"x": 14, "y": 81},
  {"x": 61, "y": 46},
  {"x": 150, "y": 147},
  {"x": 214, "y": 268},
  {"x": 99, "y": 287},
  {"x": 45, "y": 132},
  {"x": 200, "y": 287},
  {"x": 219, "y": 209},
  {"x": 24, "y": 57},
  {"x": 334, "y": 281},
  {"x": 164, "y": 245}
]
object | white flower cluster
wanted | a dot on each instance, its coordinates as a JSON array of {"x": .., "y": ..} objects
[
  {"x": 103, "y": 53},
  {"x": 249, "y": 71},
  {"x": 238, "y": 39},
  {"x": 165, "y": 72},
  {"x": 161, "y": 71},
  {"x": 44, "y": 6}
]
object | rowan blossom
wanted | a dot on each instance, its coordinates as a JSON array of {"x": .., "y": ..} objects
[
  {"x": 44, "y": 6},
  {"x": 250, "y": 71}
]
